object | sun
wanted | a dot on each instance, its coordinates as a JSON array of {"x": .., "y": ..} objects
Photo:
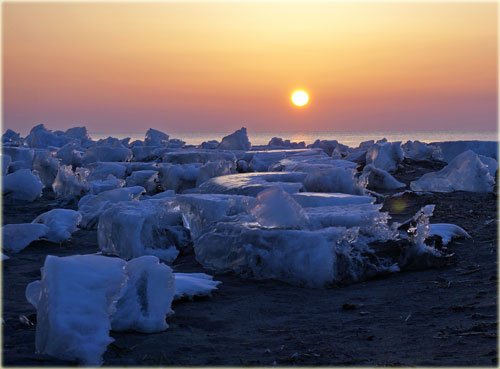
[{"x": 299, "y": 98}]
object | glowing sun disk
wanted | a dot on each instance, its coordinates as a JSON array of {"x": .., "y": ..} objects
[{"x": 299, "y": 97}]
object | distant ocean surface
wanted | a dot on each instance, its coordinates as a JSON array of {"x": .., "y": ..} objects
[{"x": 351, "y": 139}]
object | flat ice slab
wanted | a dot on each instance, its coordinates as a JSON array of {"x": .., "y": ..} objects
[{"x": 250, "y": 184}]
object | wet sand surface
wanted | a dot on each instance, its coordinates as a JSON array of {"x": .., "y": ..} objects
[{"x": 445, "y": 316}]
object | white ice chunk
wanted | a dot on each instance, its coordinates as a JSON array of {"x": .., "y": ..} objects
[
  {"x": 491, "y": 163},
  {"x": 200, "y": 212},
  {"x": 11, "y": 138},
  {"x": 328, "y": 146},
  {"x": 275, "y": 208},
  {"x": 46, "y": 166},
  {"x": 215, "y": 169},
  {"x": 448, "y": 150},
  {"x": 333, "y": 179},
  {"x": 78, "y": 295},
  {"x": 237, "y": 140},
  {"x": 23, "y": 155},
  {"x": 92, "y": 206},
  {"x": 464, "y": 173},
  {"x": 147, "y": 153},
  {"x": 135, "y": 228},
  {"x": 42, "y": 138},
  {"x": 155, "y": 138},
  {"x": 447, "y": 231},
  {"x": 193, "y": 284},
  {"x": 379, "y": 179},
  {"x": 315, "y": 199},
  {"x": 178, "y": 177},
  {"x": 16, "y": 237},
  {"x": 147, "y": 298},
  {"x": 386, "y": 155},
  {"x": 279, "y": 142},
  {"x": 110, "y": 183},
  {"x": 69, "y": 183},
  {"x": 145, "y": 178},
  {"x": 22, "y": 185},
  {"x": 209, "y": 145},
  {"x": 372, "y": 223},
  {"x": 80, "y": 134},
  {"x": 417, "y": 150},
  {"x": 103, "y": 170},
  {"x": 61, "y": 222},
  {"x": 106, "y": 153},
  {"x": 311, "y": 258},
  {"x": 71, "y": 154}
]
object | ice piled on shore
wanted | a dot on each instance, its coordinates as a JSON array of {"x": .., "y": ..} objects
[
  {"x": 385, "y": 155},
  {"x": 101, "y": 185},
  {"x": 47, "y": 166},
  {"x": 449, "y": 150},
  {"x": 147, "y": 297},
  {"x": 417, "y": 150},
  {"x": 106, "y": 153},
  {"x": 155, "y": 137},
  {"x": 16, "y": 237},
  {"x": 22, "y": 185},
  {"x": 145, "y": 178},
  {"x": 466, "y": 172},
  {"x": 379, "y": 179},
  {"x": 41, "y": 137},
  {"x": 92, "y": 206},
  {"x": 134, "y": 228},
  {"x": 200, "y": 212},
  {"x": 319, "y": 258},
  {"x": 77, "y": 296},
  {"x": 104, "y": 169},
  {"x": 62, "y": 223},
  {"x": 69, "y": 183},
  {"x": 20, "y": 157},
  {"x": 237, "y": 140},
  {"x": 80, "y": 298}
]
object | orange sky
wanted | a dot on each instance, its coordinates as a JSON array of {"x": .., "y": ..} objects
[{"x": 217, "y": 66}]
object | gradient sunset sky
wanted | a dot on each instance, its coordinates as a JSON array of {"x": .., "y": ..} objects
[{"x": 125, "y": 67}]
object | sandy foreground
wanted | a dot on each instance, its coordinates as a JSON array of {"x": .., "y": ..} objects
[{"x": 446, "y": 316}]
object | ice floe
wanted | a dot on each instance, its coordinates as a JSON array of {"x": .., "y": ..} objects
[
  {"x": 61, "y": 223},
  {"x": 92, "y": 206},
  {"x": 237, "y": 140},
  {"x": 131, "y": 229},
  {"x": 22, "y": 185},
  {"x": 466, "y": 172},
  {"x": 16, "y": 237}
]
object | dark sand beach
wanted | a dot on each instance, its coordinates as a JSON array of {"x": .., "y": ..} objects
[{"x": 436, "y": 317}]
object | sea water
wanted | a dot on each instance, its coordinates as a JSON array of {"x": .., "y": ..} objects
[{"x": 351, "y": 139}]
